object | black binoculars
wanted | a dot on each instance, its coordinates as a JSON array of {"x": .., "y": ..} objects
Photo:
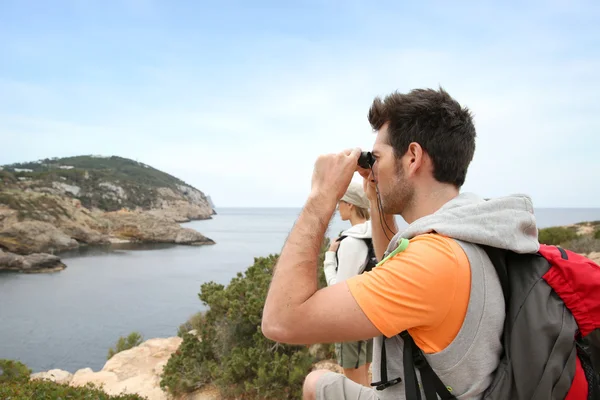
[{"x": 366, "y": 160}]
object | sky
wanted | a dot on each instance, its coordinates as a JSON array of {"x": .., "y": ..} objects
[{"x": 239, "y": 98}]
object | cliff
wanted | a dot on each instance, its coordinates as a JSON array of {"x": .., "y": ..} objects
[{"x": 54, "y": 205}]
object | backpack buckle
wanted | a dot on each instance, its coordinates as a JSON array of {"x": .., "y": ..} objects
[
  {"x": 419, "y": 360},
  {"x": 387, "y": 384}
]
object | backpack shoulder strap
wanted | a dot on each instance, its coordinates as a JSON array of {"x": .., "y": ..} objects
[
  {"x": 432, "y": 384},
  {"x": 339, "y": 239}
]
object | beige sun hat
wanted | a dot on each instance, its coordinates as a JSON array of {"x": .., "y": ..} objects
[{"x": 356, "y": 195}]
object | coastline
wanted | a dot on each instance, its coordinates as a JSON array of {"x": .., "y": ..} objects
[{"x": 33, "y": 246}]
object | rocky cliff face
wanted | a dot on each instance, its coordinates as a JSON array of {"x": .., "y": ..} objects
[{"x": 56, "y": 205}]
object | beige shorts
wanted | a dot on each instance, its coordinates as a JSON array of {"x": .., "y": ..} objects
[
  {"x": 334, "y": 386},
  {"x": 354, "y": 354}
]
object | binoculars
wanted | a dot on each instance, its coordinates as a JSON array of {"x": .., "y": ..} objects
[{"x": 366, "y": 160}]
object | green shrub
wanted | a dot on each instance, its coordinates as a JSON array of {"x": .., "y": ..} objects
[
  {"x": 125, "y": 343},
  {"x": 597, "y": 234},
  {"x": 47, "y": 390},
  {"x": 13, "y": 371},
  {"x": 195, "y": 322},
  {"x": 233, "y": 354},
  {"x": 556, "y": 235}
]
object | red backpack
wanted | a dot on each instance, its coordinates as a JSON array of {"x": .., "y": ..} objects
[{"x": 551, "y": 334}]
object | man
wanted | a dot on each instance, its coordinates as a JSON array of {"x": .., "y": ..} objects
[{"x": 440, "y": 286}]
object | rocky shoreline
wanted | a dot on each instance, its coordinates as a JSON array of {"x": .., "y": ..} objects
[
  {"x": 33, "y": 263},
  {"x": 32, "y": 242}
]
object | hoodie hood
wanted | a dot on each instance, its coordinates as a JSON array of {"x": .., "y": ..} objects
[
  {"x": 505, "y": 222},
  {"x": 359, "y": 231}
]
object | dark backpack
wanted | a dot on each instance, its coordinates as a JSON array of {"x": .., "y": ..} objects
[
  {"x": 371, "y": 260},
  {"x": 551, "y": 336}
]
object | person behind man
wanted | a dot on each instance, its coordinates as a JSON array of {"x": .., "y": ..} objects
[
  {"x": 349, "y": 256},
  {"x": 440, "y": 286}
]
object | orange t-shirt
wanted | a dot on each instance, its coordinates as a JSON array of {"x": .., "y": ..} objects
[{"x": 424, "y": 289}]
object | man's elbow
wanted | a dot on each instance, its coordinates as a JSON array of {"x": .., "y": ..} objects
[{"x": 274, "y": 330}]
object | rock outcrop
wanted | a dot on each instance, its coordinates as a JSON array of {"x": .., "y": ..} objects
[
  {"x": 54, "y": 375},
  {"x": 148, "y": 228},
  {"x": 35, "y": 237},
  {"x": 135, "y": 371},
  {"x": 31, "y": 263},
  {"x": 52, "y": 206}
]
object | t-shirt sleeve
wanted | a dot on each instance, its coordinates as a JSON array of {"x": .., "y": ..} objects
[{"x": 414, "y": 289}]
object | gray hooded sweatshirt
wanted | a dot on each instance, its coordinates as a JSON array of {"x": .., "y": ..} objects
[{"x": 467, "y": 365}]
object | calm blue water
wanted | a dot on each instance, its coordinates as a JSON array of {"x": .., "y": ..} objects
[{"x": 68, "y": 320}]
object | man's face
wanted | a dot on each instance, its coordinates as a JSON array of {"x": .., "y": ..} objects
[{"x": 395, "y": 190}]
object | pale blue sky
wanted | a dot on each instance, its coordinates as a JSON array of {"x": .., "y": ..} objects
[{"x": 239, "y": 98}]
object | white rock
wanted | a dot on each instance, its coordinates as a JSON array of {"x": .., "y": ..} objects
[
  {"x": 136, "y": 370},
  {"x": 54, "y": 375},
  {"x": 117, "y": 191},
  {"x": 65, "y": 188},
  {"x": 97, "y": 378}
]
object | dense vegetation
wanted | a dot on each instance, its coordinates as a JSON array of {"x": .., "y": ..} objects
[
  {"x": 233, "y": 354},
  {"x": 94, "y": 180},
  {"x": 556, "y": 235},
  {"x": 116, "y": 167},
  {"x": 15, "y": 384},
  {"x": 13, "y": 371}
]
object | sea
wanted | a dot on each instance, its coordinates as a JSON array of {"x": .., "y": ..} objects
[{"x": 69, "y": 319}]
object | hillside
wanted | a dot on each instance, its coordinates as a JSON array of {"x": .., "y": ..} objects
[
  {"x": 60, "y": 204},
  {"x": 106, "y": 183}
]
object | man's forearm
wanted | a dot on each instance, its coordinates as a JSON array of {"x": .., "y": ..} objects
[
  {"x": 295, "y": 276},
  {"x": 380, "y": 240}
]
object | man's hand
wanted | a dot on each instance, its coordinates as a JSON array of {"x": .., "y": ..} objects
[
  {"x": 335, "y": 245},
  {"x": 332, "y": 174},
  {"x": 368, "y": 183}
]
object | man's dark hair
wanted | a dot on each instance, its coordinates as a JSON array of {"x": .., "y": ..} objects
[{"x": 437, "y": 122}]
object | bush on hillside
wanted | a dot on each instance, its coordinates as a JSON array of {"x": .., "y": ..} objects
[
  {"x": 47, "y": 390},
  {"x": 597, "y": 234},
  {"x": 583, "y": 245},
  {"x": 13, "y": 371},
  {"x": 125, "y": 343},
  {"x": 15, "y": 384},
  {"x": 556, "y": 235},
  {"x": 233, "y": 354},
  {"x": 195, "y": 322}
]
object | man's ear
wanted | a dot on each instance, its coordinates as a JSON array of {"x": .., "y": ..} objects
[{"x": 415, "y": 156}]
